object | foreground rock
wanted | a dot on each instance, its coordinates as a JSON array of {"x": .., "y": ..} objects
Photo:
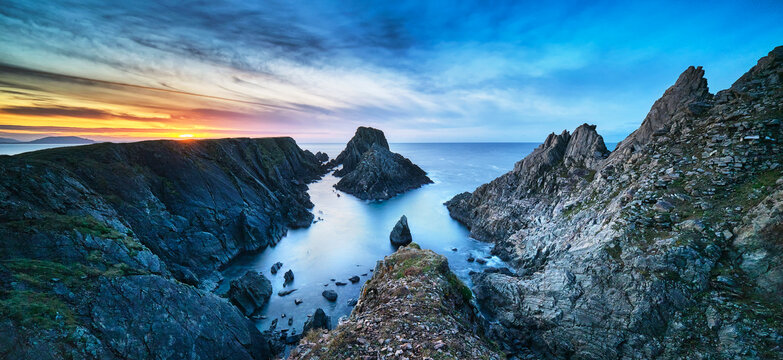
[
  {"x": 372, "y": 172},
  {"x": 667, "y": 248},
  {"x": 401, "y": 233},
  {"x": 413, "y": 307},
  {"x": 250, "y": 292},
  {"x": 98, "y": 241},
  {"x": 319, "y": 320},
  {"x": 381, "y": 175}
]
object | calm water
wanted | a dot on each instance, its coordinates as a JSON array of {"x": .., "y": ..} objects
[
  {"x": 354, "y": 234},
  {"x": 13, "y": 149}
]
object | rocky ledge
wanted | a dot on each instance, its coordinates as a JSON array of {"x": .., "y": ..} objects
[
  {"x": 100, "y": 244},
  {"x": 413, "y": 307},
  {"x": 669, "y": 247},
  {"x": 372, "y": 172}
]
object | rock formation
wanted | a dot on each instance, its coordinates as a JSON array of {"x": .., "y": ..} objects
[
  {"x": 362, "y": 140},
  {"x": 96, "y": 242},
  {"x": 667, "y": 248},
  {"x": 319, "y": 320},
  {"x": 413, "y": 307},
  {"x": 401, "y": 233},
  {"x": 371, "y": 172},
  {"x": 250, "y": 292},
  {"x": 381, "y": 175}
]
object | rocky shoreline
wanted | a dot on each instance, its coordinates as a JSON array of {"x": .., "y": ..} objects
[
  {"x": 104, "y": 244},
  {"x": 669, "y": 247}
]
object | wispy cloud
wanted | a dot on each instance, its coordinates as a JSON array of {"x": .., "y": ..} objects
[{"x": 510, "y": 70}]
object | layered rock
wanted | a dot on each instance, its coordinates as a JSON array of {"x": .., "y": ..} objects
[
  {"x": 664, "y": 249},
  {"x": 372, "y": 172},
  {"x": 96, "y": 242},
  {"x": 413, "y": 307},
  {"x": 381, "y": 175},
  {"x": 250, "y": 292},
  {"x": 362, "y": 140}
]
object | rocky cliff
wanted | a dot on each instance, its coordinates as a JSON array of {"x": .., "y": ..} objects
[
  {"x": 413, "y": 307},
  {"x": 98, "y": 242},
  {"x": 372, "y": 172},
  {"x": 669, "y": 247}
]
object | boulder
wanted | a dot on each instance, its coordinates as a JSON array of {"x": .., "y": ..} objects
[
  {"x": 401, "y": 233},
  {"x": 276, "y": 267},
  {"x": 289, "y": 277},
  {"x": 322, "y": 157},
  {"x": 330, "y": 295},
  {"x": 250, "y": 292},
  {"x": 354, "y": 279},
  {"x": 319, "y": 320}
]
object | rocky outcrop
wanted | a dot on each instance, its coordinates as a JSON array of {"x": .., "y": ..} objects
[
  {"x": 97, "y": 241},
  {"x": 250, "y": 292},
  {"x": 371, "y": 171},
  {"x": 664, "y": 249},
  {"x": 413, "y": 307},
  {"x": 322, "y": 157},
  {"x": 319, "y": 320},
  {"x": 362, "y": 140},
  {"x": 401, "y": 233},
  {"x": 381, "y": 175}
]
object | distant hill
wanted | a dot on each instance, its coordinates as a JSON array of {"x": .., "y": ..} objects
[
  {"x": 8, "y": 141},
  {"x": 61, "y": 140}
]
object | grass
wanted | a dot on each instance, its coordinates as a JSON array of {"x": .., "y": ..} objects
[{"x": 32, "y": 309}]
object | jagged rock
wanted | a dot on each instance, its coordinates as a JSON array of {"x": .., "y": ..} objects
[
  {"x": 381, "y": 174},
  {"x": 322, "y": 157},
  {"x": 401, "y": 233},
  {"x": 362, "y": 140},
  {"x": 250, "y": 292},
  {"x": 319, "y": 320},
  {"x": 330, "y": 295},
  {"x": 121, "y": 222},
  {"x": 413, "y": 306},
  {"x": 599, "y": 271},
  {"x": 354, "y": 279},
  {"x": 288, "y": 277}
]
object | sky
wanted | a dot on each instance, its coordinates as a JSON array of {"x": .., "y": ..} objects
[{"x": 422, "y": 71}]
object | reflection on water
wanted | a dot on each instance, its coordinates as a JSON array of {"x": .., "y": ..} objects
[{"x": 354, "y": 234}]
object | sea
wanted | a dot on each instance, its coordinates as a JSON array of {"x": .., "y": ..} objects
[{"x": 349, "y": 236}]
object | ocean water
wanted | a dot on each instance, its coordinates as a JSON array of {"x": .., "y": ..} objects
[
  {"x": 351, "y": 235},
  {"x": 13, "y": 149}
]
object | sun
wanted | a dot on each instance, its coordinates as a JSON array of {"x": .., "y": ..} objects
[{"x": 186, "y": 136}]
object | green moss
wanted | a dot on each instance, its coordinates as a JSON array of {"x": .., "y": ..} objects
[
  {"x": 590, "y": 176},
  {"x": 40, "y": 273},
  {"x": 32, "y": 309},
  {"x": 414, "y": 245},
  {"x": 456, "y": 283}
]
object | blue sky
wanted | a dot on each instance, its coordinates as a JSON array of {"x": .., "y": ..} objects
[{"x": 422, "y": 71}]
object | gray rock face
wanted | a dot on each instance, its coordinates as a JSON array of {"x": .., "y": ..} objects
[
  {"x": 362, "y": 140},
  {"x": 250, "y": 292},
  {"x": 654, "y": 251},
  {"x": 401, "y": 233},
  {"x": 319, "y": 320},
  {"x": 381, "y": 174},
  {"x": 99, "y": 233}
]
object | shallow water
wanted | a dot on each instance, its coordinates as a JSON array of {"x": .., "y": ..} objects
[{"x": 354, "y": 234}]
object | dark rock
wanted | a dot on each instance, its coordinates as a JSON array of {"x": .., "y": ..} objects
[
  {"x": 340, "y": 283},
  {"x": 285, "y": 292},
  {"x": 330, "y": 295},
  {"x": 401, "y": 233},
  {"x": 276, "y": 267},
  {"x": 354, "y": 279},
  {"x": 250, "y": 292},
  {"x": 289, "y": 277},
  {"x": 298, "y": 301},
  {"x": 471, "y": 259},
  {"x": 319, "y": 320},
  {"x": 481, "y": 261},
  {"x": 322, "y": 157},
  {"x": 362, "y": 140},
  {"x": 352, "y": 302},
  {"x": 381, "y": 174}
]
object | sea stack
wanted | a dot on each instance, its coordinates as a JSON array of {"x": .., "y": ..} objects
[
  {"x": 372, "y": 172},
  {"x": 401, "y": 233}
]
